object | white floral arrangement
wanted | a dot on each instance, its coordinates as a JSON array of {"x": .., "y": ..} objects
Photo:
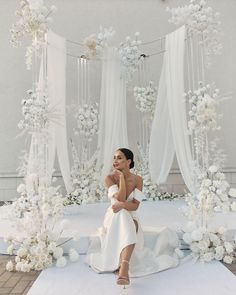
[
  {"x": 87, "y": 120},
  {"x": 207, "y": 245},
  {"x": 35, "y": 110},
  {"x": 214, "y": 191},
  {"x": 201, "y": 20},
  {"x": 35, "y": 214},
  {"x": 146, "y": 98},
  {"x": 203, "y": 109},
  {"x": 96, "y": 43},
  {"x": 34, "y": 20},
  {"x": 130, "y": 55},
  {"x": 86, "y": 180}
]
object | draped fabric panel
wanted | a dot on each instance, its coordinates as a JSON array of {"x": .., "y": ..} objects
[
  {"x": 56, "y": 63},
  {"x": 169, "y": 131},
  {"x": 113, "y": 122},
  {"x": 56, "y": 70}
]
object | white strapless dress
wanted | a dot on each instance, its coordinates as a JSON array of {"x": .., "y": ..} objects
[{"x": 119, "y": 231}]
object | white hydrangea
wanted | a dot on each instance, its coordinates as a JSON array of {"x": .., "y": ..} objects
[
  {"x": 146, "y": 98},
  {"x": 203, "y": 109},
  {"x": 35, "y": 110},
  {"x": 130, "y": 56},
  {"x": 87, "y": 120}
]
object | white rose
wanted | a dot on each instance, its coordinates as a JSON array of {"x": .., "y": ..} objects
[
  {"x": 25, "y": 267},
  {"x": 228, "y": 247},
  {"x": 220, "y": 250},
  {"x": 207, "y": 182},
  {"x": 21, "y": 188},
  {"x": 10, "y": 266},
  {"x": 197, "y": 235},
  {"x": 203, "y": 245},
  {"x": 18, "y": 266},
  {"x": 61, "y": 262},
  {"x": 233, "y": 206},
  {"x": 21, "y": 252},
  {"x": 190, "y": 227},
  {"x": 187, "y": 238},
  {"x": 207, "y": 257},
  {"x": 213, "y": 169},
  {"x": 58, "y": 252},
  {"x": 73, "y": 255},
  {"x": 232, "y": 192},
  {"x": 10, "y": 250},
  {"x": 218, "y": 256},
  {"x": 191, "y": 124},
  {"x": 227, "y": 259},
  {"x": 221, "y": 230},
  {"x": 194, "y": 248}
]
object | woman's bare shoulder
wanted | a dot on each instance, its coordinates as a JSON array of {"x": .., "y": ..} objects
[
  {"x": 110, "y": 180},
  {"x": 138, "y": 181}
]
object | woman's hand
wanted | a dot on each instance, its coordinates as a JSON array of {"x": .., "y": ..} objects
[
  {"x": 117, "y": 174},
  {"x": 117, "y": 206}
]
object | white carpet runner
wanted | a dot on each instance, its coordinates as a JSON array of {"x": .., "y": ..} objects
[{"x": 188, "y": 278}]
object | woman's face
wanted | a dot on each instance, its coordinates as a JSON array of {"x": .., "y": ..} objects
[{"x": 119, "y": 161}]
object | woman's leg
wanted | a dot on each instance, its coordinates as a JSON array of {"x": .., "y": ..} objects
[{"x": 126, "y": 255}]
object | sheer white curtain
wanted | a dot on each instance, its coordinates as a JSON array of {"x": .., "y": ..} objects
[
  {"x": 113, "y": 122},
  {"x": 56, "y": 70},
  {"x": 169, "y": 130},
  {"x": 56, "y": 65}
]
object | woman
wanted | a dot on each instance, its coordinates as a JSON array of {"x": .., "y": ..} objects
[{"x": 122, "y": 242}]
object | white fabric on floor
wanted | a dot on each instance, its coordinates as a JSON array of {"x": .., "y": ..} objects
[
  {"x": 112, "y": 116},
  {"x": 188, "y": 278},
  {"x": 170, "y": 122}
]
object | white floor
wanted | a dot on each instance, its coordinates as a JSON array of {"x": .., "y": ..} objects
[{"x": 187, "y": 279}]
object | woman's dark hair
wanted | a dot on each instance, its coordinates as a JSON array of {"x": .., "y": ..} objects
[{"x": 129, "y": 156}]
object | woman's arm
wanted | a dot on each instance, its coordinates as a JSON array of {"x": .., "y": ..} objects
[
  {"x": 121, "y": 194},
  {"x": 129, "y": 205}
]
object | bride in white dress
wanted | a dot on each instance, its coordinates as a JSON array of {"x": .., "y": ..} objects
[{"x": 122, "y": 242}]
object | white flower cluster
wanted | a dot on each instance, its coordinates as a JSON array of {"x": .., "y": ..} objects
[
  {"x": 35, "y": 110},
  {"x": 96, "y": 43},
  {"x": 87, "y": 120},
  {"x": 86, "y": 180},
  {"x": 34, "y": 20},
  {"x": 130, "y": 55},
  {"x": 146, "y": 98},
  {"x": 207, "y": 245},
  {"x": 201, "y": 20},
  {"x": 203, "y": 109},
  {"x": 214, "y": 192},
  {"x": 35, "y": 214}
]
